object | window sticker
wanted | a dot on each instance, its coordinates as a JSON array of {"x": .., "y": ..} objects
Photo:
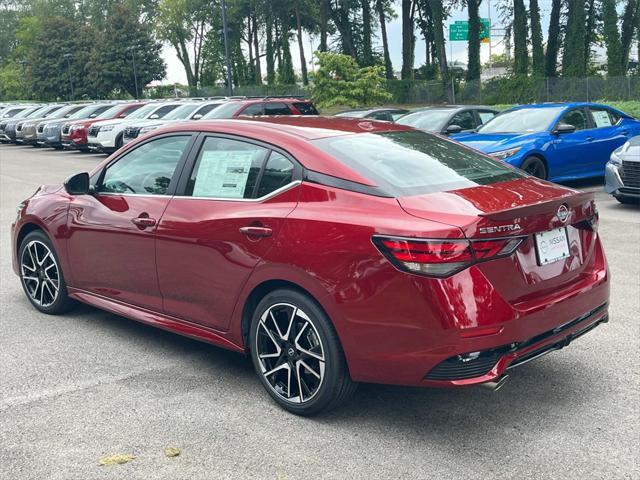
[
  {"x": 601, "y": 117},
  {"x": 223, "y": 174}
]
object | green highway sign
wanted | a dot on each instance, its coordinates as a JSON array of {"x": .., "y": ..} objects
[{"x": 459, "y": 30}]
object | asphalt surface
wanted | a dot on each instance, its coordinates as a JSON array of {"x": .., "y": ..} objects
[{"x": 76, "y": 388}]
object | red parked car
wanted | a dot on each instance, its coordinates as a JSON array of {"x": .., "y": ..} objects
[
  {"x": 74, "y": 134},
  {"x": 331, "y": 250},
  {"x": 262, "y": 106}
]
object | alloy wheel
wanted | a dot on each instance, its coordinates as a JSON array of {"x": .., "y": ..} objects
[
  {"x": 40, "y": 273},
  {"x": 290, "y": 353}
]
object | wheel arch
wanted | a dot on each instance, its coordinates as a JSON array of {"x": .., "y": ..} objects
[
  {"x": 25, "y": 230},
  {"x": 540, "y": 156}
]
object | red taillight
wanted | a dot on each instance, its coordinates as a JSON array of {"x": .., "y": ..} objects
[{"x": 441, "y": 258}]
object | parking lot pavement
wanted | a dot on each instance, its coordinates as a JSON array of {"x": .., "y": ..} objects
[{"x": 76, "y": 388}]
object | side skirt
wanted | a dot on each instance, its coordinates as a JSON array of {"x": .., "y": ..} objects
[{"x": 155, "y": 319}]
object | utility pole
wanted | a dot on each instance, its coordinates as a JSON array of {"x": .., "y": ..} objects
[
  {"x": 226, "y": 47},
  {"x": 490, "y": 61},
  {"x": 68, "y": 57},
  {"x": 24, "y": 64}
]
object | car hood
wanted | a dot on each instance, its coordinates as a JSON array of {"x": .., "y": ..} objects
[
  {"x": 630, "y": 151},
  {"x": 494, "y": 142}
]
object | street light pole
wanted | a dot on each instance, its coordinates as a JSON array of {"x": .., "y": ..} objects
[
  {"x": 24, "y": 64},
  {"x": 226, "y": 47},
  {"x": 68, "y": 57}
]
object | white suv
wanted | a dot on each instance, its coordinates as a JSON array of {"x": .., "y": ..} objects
[
  {"x": 107, "y": 136},
  {"x": 188, "y": 111}
]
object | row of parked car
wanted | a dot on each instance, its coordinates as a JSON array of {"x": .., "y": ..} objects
[{"x": 555, "y": 141}]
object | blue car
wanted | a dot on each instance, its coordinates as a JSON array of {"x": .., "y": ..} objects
[{"x": 555, "y": 141}]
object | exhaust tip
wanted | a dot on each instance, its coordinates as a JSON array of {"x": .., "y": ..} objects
[{"x": 497, "y": 384}]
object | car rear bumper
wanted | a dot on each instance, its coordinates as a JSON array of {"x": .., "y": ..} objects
[{"x": 428, "y": 343}]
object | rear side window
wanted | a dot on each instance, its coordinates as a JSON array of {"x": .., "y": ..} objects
[
  {"x": 276, "y": 108},
  {"x": 305, "y": 108},
  {"x": 226, "y": 168},
  {"x": 277, "y": 173},
  {"x": 415, "y": 162},
  {"x": 485, "y": 116},
  {"x": 162, "y": 111},
  {"x": 603, "y": 117},
  {"x": 386, "y": 116}
]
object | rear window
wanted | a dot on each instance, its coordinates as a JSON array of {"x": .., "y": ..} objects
[
  {"x": 305, "y": 108},
  {"x": 414, "y": 162}
]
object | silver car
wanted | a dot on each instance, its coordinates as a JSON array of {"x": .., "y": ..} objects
[{"x": 622, "y": 173}]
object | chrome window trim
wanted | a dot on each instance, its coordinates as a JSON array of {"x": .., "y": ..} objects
[{"x": 186, "y": 197}]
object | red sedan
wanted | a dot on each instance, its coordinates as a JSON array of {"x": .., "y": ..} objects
[{"x": 333, "y": 251}]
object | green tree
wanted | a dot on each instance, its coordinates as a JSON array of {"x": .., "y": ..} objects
[
  {"x": 574, "y": 55},
  {"x": 339, "y": 81},
  {"x": 553, "y": 40},
  {"x": 520, "y": 52},
  {"x": 12, "y": 85},
  {"x": 473, "y": 67},
  {"x": 612, "y": 38},
  {"x": 536, "y": 39}
]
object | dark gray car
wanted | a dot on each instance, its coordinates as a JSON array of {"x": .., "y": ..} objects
[
  {"x": 386, "y": 114},
  {"x": 448, "y": 119},
  {"x": 622, "y": 173}
]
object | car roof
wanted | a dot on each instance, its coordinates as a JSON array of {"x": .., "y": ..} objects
[{"x": 454, "y": 108}]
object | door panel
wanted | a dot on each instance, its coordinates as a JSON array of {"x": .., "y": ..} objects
[
  {"x": 203, "y": 258},
  {"x": 109, "y": 254},
  {"x": 607, "y": 137},
  {"x": 572, "y": 150}
]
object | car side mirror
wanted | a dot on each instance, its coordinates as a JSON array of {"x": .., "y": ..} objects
[
  {"x": 565, "y": 128},
  {"x": 197, "y": 116},
  {"x": 123, "y": 115},
  {"x": 78, "y": 184},
  {"x": 451, "y": 129},
  {"x": 155, "y": 116}
]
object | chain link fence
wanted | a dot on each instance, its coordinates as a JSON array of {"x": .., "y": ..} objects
[{"x": 497, "y": 90}]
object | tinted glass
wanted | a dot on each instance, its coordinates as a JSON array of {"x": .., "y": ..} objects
[
  {"x": 577, "y": 118},
  {"x": 277, "y": 174},
  {"x": 147, "y": 169},
  {"x": 143, "y": 112},
  {"x": 305, "y": 108},
  {"x": 381, "y": 116},
  {"x": 276, "y": 109},
  {"x": 226, "y": 169},
  {"x": 522, "y": 120},
  {"x": 99, "y": 110},
  {"x": 601, "y": 117},
  {"x": 11, "y": 112},
  {"x": 429, "y": 120},
  {"x": 255, "y": 109},
  {"x": 162, "y": 111},
  {"x": 411, "y": 163},
  {"x": 465, "y": 120},
  {"x": 352, "y": 113}
]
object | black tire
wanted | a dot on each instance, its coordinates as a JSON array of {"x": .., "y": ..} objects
[
  {"x": 119, "y": 142},
  {"x": 311, "y": 326},
  {"x": 44, "y": 275},
  {"x": 536, "y": 167},
  {"x": 628, "y": 201}
]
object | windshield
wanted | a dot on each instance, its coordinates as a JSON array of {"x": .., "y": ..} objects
[
  {"x": 182, "y": 112},
  {"x": 12, "y": 112},
  {"x": 142, "y": 112},
  {"x": 110, "y": 112},
  {"x": 223, "y": 111},
  {"x": 415, "y": 162},
  {"x": 522, "y": 120},
  {"x": 429, "y": 120},
  {"x": 38, "y": 112},
  {"x": 77, "y": 111}
]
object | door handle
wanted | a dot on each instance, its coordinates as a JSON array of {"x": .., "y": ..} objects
[
  {"x": 589, "y": 139},
  {"x": 144, "y": 222},
  {"x": 256, "y": 231}
]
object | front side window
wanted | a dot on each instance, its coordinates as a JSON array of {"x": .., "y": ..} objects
[
  {"x": 226, "y": 168},
  {"x": 162, "y": 111},
  {"x": 429, "y": 120},
  {"x": 148, "y": 169},
  {"x": 577, "y": 118},
  {"x": 386, "y": 116},
  {"x": 415, "y": 162},
  {"x": 464, "y": 120}
]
